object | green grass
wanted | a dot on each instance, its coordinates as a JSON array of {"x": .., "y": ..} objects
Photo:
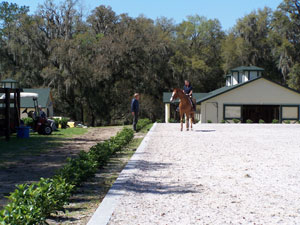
[
  {"x": 135, "y": 143},
  {"x": 146, "y": 128},
  {"x": 36, "y": 144}
]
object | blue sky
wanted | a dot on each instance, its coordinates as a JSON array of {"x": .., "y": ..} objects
[{"x": 227, "y": 11}]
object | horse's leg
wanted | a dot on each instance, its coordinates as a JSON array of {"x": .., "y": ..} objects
[
  {"x": 192, "y": 121},
  {"x": 181, "y": 120},
  {"x": 187, "y": 121}
]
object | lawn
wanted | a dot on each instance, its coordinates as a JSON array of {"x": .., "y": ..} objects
[{"x": 36, "y": 144}]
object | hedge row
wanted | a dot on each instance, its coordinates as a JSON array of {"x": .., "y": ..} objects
[
  {"x": 32, "y": 204},
  {"x": 142, "y": 123}
]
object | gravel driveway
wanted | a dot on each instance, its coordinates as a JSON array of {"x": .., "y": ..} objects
[{"x": 216, "y": 174}]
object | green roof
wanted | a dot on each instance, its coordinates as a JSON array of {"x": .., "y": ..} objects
[
  {"x": 9, "y": 81},
  {"x": 44, "y": 95},
  {"x": 246, "y": 68},
  {"x": 225, "y": 89},
  {"x": 168, "y": 95}
]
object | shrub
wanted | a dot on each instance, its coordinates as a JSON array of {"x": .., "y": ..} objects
[
  {"x": 236, "y": 120},
  {"x": 287, "y": 121},
  {"x": 249, "y": 121},
  {"x": 32, "y": 204},
  {"x": 79, "y": 169},
  {"x": 159, "y": 121},
  {"x": 28, "y": 122},
  {"x": 261, "y": 121},
  {"x": 197, "y": 121},
  {"x": 275, "y": 121},
  {"x": 171, "y": 120},
  {"x": 142, "y": 123},
  {"x": 223, "y": 121},
  {"x": 63, "y": 122},
  {"x": 209, "y": 121},
  {"x": 56, "y": 121}
]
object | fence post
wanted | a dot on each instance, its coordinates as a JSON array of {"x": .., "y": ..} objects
[{"x": 7, "y": 113}]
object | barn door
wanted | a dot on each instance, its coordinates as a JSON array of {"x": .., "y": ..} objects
[{"x": 211, "y": 112}]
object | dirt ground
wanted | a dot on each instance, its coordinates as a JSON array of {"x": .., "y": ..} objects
[{"x": 31, "y": 168}]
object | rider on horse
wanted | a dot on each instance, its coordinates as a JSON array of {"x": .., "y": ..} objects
[{"x": 188, "y": 90}]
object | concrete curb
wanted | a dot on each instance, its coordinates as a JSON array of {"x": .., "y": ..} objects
[{"x": 107, "y": 206}]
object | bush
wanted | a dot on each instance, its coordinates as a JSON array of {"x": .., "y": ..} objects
[
  {"x": 209, "y": 121},
  {"x": 171, "y": 120},
  {"x": 32, "y": 204},
  {"x": 63, "y": 122},
  {"x": 261, "y": 121},
  {"x": 78, "y": 169},
  {"x": 287, "y": 121},
  {"x": 249, "y": 121},
  {"x": 275, "y": 121},
  {"x": 28, "y": 122},
  {"x": 142, "y": 123},
  {"x": 223, "y": 121},
  {"x": 56, "y": 121},
  {"x": 236, "y": 120},
  {"x": 159, "y": 121}
]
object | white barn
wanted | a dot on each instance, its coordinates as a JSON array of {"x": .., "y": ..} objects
[{"x": 246, "y": 96}]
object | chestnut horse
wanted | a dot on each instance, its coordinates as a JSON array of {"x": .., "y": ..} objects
[{"x": 185, "y": 107}]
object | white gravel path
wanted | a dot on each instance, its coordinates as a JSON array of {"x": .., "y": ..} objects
[{"x": 216, "y": 174}]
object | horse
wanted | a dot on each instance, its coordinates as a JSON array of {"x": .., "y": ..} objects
[{"x": 185, "y": 107}]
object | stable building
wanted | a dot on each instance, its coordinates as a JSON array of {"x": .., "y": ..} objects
[{"x": 247, "y": 95}]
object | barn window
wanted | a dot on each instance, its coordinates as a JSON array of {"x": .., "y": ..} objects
[
  {"x": 232, "y": 112},
  {"x": 290, "y": 112}
]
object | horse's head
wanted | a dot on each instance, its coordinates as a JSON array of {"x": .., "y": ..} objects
[{"x": 175, "y": 94}]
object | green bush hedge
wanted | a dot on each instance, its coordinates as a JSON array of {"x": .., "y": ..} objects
[
  {"x": 32, "y": 204},
  {"x": 56, "y": 121},
  {"x": 142, "y": 123},
  {"x": 236, "y": 120},
  {"x": 249, "y": 121},
  {"x": 64, "y": 122},
  {"x": 28, "y": 122}
]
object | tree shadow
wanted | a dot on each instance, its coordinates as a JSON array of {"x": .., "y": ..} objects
[
  {"x": 144, "y": 165},
  {"x": 205, "y": 131},
  {"x": 138, "y": 186},
  {"x": 135, "y": 183}
]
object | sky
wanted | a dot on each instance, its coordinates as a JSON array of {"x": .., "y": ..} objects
[{"x": 227, "y": 11}]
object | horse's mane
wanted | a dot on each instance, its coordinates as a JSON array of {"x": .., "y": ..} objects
[{"x": 180, "y": 90}]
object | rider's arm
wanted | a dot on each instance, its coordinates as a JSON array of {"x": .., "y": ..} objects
[{"x": 191, "y": 92}]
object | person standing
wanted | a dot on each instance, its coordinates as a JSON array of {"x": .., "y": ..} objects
[{"x": 135, "y": 109}]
